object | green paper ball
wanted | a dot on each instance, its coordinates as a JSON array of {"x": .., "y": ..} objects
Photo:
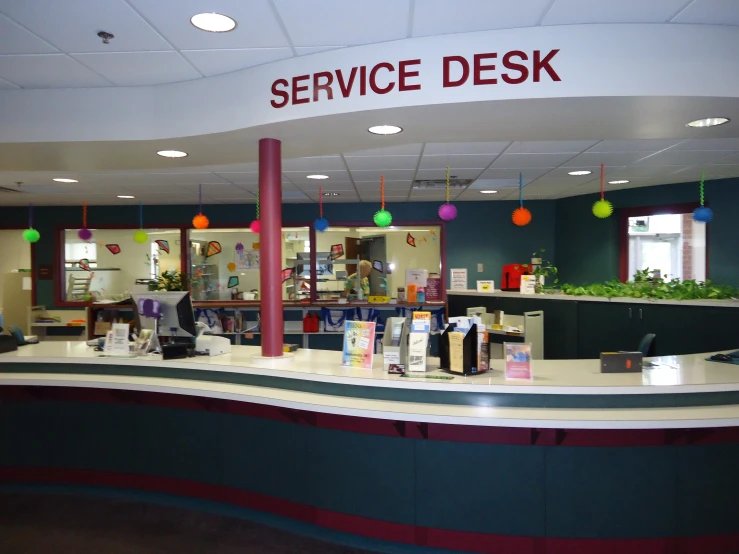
[
  {"x": 383, "y": 218},
  {"x": 31, "y": 235},
  {"x": 140, "y": 236},
  {"x": 602, "y": 209}
]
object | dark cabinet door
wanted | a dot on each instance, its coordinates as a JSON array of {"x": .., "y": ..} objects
[{"x": 607, "y": 327}]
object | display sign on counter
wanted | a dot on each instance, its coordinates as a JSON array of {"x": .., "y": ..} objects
[
  {"x": 458, "y": 279},
  {"x": 359, "y": 344},
  {"x": 517, "y": 360},
  {"x": 486, "y": 286}
]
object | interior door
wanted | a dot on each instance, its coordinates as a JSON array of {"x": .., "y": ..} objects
[
  {"x": 376, "y": 248},
  {"x": 353, "y": 249}
]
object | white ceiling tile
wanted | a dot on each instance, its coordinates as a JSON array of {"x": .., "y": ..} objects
[
  {"x": 529, "y": 174},
  {"x": 328, "y": 186},
  {"x": 7, "y": 85},
  {"x": 710, "y": 144},
  {"x": 551, "y": 147},
  {"x": 48, "y": 71},
  {"x": 217, "y": 62},
  {"x": 400, "y": 150},
  {"x": 642, "y": 172},
  {"x": 72, "y": 25},
  {"x": 193, "y": 178},
  {"x": 469, "y": 148},
  {"x": 381, "y": 163},
  {"x": 376, "y": 174},
  {"x": 315, "y": 164},
  {"x": 240, "y": 178},
  {"x": 256, "y": 23},
  {"x": 301, "y": 177},
  {"x": 641, "y": 145},
  {"x": 458, "y": 173},
  {"x": 14, "y": 39},
  {"x": 306, "y": 50},
  {"x": 730, "y": 159},
  {"x": 478, "y": 161},
  {"x": 250, "y": 167},
  {"x": 593, "y": 159},
  {"x": 342, "y": 22},
  {"x": 717, "y": 12},
  {"x": 563, "y": 173},
  {"x": 570, "y": 12},
  {"x": 683, "y": 157},
  {"x": 464, "y": 16},
  {"x": 523, "y": 161},
  {"x": 128, "y": 69}
]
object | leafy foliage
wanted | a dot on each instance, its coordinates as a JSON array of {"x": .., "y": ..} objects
[
  {"x": 646, "y": 285},
  {"x": 168, "y": 281}
]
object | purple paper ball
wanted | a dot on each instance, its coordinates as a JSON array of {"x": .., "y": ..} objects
[
  {"x": 447, "y": 212},
  {"x": 84, "y": 233},
  {"x": 255, "y": 226},
  {"x": 703, "y": 214},
  {"x": 321, "y": 224}
]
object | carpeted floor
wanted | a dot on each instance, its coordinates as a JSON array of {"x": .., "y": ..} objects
[{"x": 56, "y": 523}]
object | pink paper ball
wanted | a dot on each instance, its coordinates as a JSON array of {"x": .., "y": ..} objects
[
  {"x": 447, "y": 212},
  {"x": 255, "y": 226},
  {"x": 84, "y": 233}
]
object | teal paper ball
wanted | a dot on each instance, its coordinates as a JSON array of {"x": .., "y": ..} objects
[
  {"x": 31, "y": 235},
  {"x": 383, "y": 218}
]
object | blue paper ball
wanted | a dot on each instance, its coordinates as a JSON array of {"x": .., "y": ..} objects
[
  {"x": 703, "y": 214},
  {"x": 321, "y": 224}
]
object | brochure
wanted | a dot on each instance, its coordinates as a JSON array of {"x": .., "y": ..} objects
[
  {"x": 517, "y": 360},
  {"x": 359, "y": 344}
]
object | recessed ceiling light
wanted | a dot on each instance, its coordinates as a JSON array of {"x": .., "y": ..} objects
[
  {"x": 583, "y": 172},
  {"x": 213, "y": 22},
  {"x": 316, "y": 177},
  {"x": 60, "y": 180},
  {"x": 126, "y": 196},
  {"x": 708, "y": 122},
  {"x": 488, "y": 192},
  {"x": 331, "y": 194},
  {"x": 621, "y": 182},
  {"x": 385, "y": 130},
  {"x": 172, "y": 153}
]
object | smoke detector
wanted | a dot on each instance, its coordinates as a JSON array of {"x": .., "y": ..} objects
[{"x": 106, "y": 36}]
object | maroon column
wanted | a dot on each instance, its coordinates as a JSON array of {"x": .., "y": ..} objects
[{"x": 270, "y": 250}]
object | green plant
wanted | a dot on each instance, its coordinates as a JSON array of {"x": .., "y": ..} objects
[
  {"x": 168, "y": 281},
  {"x": 646, "y": 285},
  {"x": 545, "y": 269}
]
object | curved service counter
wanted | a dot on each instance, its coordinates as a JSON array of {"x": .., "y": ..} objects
[{"x": 573, "y": 461}]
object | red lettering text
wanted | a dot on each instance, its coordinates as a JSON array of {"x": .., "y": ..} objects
[
  {"x": 281, "y": 93},
  {"x": 297, "y": 89},
  {"x": 325, "y": 86},
  {"x": 522, "y": 69},
  {"x": 465, "y": 71},
  {"x": 373, "y": 78},
  {"x": 540, "y": 64},
  {"x": 346, "y": 88},
  {"x": 404, "y": 74},
  {"x": 479, "y": 68},
  {"x": 362, "y": 80}
]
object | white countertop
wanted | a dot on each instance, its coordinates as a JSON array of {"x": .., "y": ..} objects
[
  {"x": 679, "y": 374},
  {"x": 618, "y": 299}
]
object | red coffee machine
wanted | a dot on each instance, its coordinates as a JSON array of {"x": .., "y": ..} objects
[{"x": 511, "y": 279}]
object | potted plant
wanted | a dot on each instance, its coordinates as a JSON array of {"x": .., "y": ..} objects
[
  {"x": 167, "y": 281},
  {"x": 543, "y": 268}
]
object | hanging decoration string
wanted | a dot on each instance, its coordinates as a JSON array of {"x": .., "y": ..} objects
[
  {"x": 703, "y": 214},
  {"x": 200, "y": 221},
  {"x": 31, "y": 234},
  {"x": 200, "y": 197},
  {"x": 602, "y": 208},
  {"x": 447, "y": 211},
  {"x": 84, "y": 215},
  {"x": 257, "y": 204},
  {"x": 141, "y": 215},
  {"x": 256, "y": 225},
  {"x": 447, "y": 183},
  {"x": 30, "y": 216},
  {"x": 320, "y": 201},
  {"x": 602, "y": 181},
  {"x": 520, "y": 189},
  {"x": 382, "y": 218},
  {"x": 382, "y": 191},
  {"x": 702, "y": 189},
  {"x": 521, "y": 216}
]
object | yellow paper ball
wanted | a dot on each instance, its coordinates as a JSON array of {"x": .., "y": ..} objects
[
  {"x": 140, "y": 236},
  {"x": 521, "y": 216},
  {"x": 200, "y": 222},
  {"x": 231, "y": 267},
  {"x": 602, "y": 209}
]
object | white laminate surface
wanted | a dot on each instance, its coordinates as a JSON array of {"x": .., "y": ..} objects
[
  {"x": 731, "y": 303},
  {"x": 674, "y": 374}
]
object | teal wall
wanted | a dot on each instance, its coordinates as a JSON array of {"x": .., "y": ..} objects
[
  {"x": 584, "y": 248},
  {"x": 588, "y": 248},
  {"x": 482, "y": 233}
]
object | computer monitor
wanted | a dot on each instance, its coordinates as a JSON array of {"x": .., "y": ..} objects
[{"x": 169, "y": 313}]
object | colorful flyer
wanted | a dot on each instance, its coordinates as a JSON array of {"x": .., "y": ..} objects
[
  {"x": 517, "y": 360},
  {"x": 359, "y": 344}
]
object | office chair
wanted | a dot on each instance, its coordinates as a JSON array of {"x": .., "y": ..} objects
[{"x": 646, "y": 346}]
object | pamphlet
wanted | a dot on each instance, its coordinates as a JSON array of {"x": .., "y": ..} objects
[
  {"x": 528, "y": 284},
  {"x": 417, "y": 345},
  {"x": 359, "y": 344},
  {"x": 458, "y": 279},
  {"x": 517, "y": 360},
  {"x": 421, "y": 322},
  {"x": 456, "y": 352},
  {"x": 116, "y": 341}
]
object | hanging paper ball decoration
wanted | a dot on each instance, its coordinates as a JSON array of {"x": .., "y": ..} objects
[
  {"x": 383, "y": 218},
  {"x": 602, "y": 208},
  {"x": 31, "y": 235},
  {"x": 321, "y": 224},
  {"x": 521, "y": 216},
  {"x": 140, "y": 236},
  {"x": 200, "y": 222},
  {"x": 84, "y": 234},
  {"x": 703, "y": 214},
  {"x": 447, "y": 212},
  {"x": 255, "y": 226}
]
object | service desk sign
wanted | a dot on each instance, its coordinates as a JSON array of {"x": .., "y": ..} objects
[
  {"x": 517, "y": 360},
  {"x": 359, "y": 344}
]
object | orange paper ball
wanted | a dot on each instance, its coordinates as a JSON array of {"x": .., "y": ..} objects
[
  {"x": 200, "y": 222},
  {"x": 521, "y": 216}
]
